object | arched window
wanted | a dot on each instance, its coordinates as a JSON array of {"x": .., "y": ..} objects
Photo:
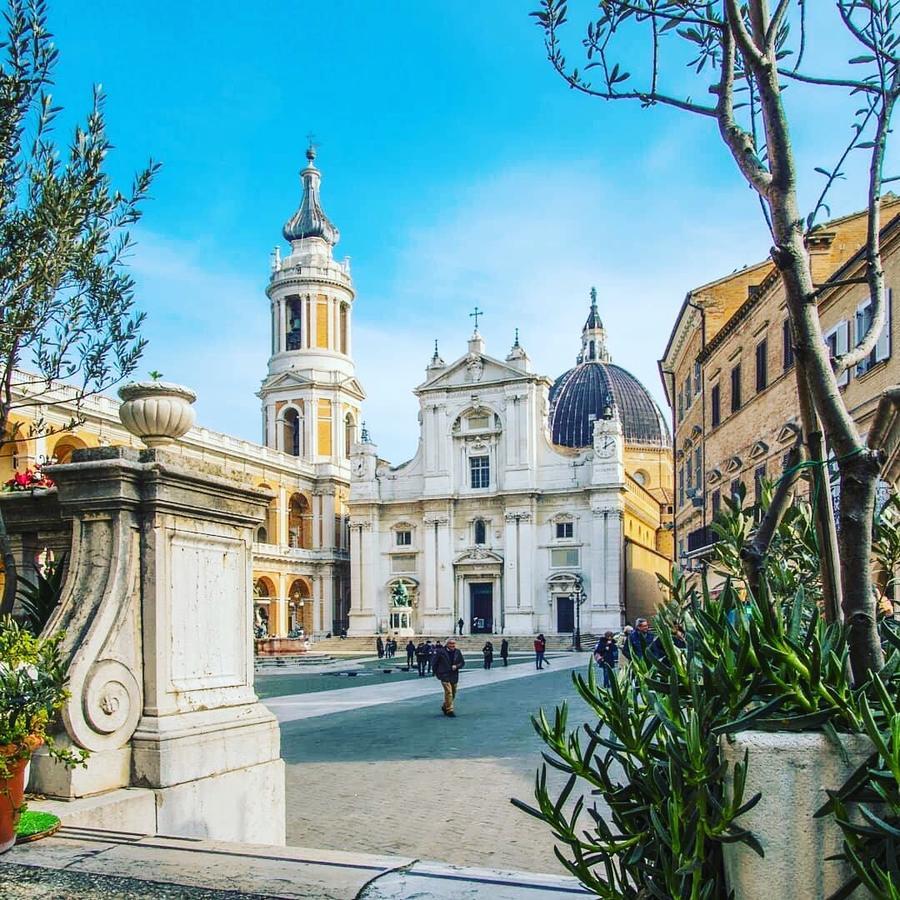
[
  {"x": 480, "y": 532},
  {"x": 261, "y": 535},
  {"x": 349, "y": 434},
  {"x": 293, "y": 433},
  {"x": 66, "y": 446},
  {"x": 345, "y": 310},
  {"x": 591, "y": 350},
  {"x": 299, "y": 522}
]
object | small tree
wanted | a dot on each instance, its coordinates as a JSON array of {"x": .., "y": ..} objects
[
  {"x": 742, "y": 55},
  {"x": 66, "y": 301}
]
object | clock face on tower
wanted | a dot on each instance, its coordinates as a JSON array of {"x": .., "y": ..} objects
[
  {"x": 606, "y": 445},
  {"x": 359, "y": 468}
]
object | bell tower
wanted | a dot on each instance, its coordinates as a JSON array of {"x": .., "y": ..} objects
[{"x": 310, "y": 396}]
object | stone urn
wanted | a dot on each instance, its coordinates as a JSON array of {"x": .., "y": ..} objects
[{"x": 157, "y": 412}]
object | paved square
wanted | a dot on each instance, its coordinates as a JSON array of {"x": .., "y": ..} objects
[{"x": 400, "y": 778}]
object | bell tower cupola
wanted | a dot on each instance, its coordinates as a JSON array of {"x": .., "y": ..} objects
[
  {"x": 593, "y": 336},
  {"x": 310, "y": 396}
]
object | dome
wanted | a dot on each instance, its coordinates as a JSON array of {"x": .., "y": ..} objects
[
  {"x": 579, "y": 396},
  {"x": 310, "y": 220}
]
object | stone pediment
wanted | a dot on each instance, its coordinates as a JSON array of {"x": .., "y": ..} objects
[
  {"x": 474, "y": 369},
  {"x": 478, "y": 556},
  {"x": 287, "y": 380}
]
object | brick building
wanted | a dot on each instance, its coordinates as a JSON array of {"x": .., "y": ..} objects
[{"x": 728, "y": 370}]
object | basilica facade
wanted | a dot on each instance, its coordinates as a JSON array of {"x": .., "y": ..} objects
[{"x": 530, "y": 505}]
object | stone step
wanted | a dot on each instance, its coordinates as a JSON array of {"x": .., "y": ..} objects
[
  {"x": 467, "y": 642},
  {"x": 82, "y": 862}
]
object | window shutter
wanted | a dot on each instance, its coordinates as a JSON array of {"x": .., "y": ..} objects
[
  {"x": 883, "y": 347},
  {"x": 842, "y": 346}
]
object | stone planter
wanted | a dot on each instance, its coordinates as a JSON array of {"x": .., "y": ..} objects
[
  {"x": 792, "y": 772},
  {"x": 156, "y": 411}
]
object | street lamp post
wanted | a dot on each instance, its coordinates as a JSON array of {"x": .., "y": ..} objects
[{"x": 577, "y": 598}]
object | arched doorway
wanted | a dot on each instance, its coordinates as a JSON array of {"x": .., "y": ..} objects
[
  {"x": 66, "y": 446},
  {"x": 300, "y": 607},
  {"x": 265, "y": 611},
  {"x": 267, "y": 533},
  {"x": 12, "y": 456},
  {"x": 299, "y": 522}
]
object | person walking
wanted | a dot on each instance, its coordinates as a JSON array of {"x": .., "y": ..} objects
[
  {"x": 410, "y": 653},
  {"x": 606, "y": 655},
  {"x": 640, "y": 641},
  {"x": 421, "y": 658},
  {"x": 447, "y": 663},
  {"x": 488, "y": 651},
  {"x": 379, "y": 647},
  {"x": 460, "y": 624},
  {"x": 429, "y": 654},
  {"x": 504, "y": 651},
  {"x": 540, "y": 647},
  {"x": 393, "y": 647}
]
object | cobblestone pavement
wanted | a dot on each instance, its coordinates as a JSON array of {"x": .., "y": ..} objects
[
  {"x": 401, "y": 778},
  {"x": 27, "y": 883}
]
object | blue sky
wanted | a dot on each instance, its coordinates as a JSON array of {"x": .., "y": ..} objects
[{"x": 457, "y": 166}]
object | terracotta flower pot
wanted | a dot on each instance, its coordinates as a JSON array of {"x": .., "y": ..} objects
[
  {"x": 12, "y": 797},
  {"x": 12, "y": 789},
  {"x": 156, "y": 411}
]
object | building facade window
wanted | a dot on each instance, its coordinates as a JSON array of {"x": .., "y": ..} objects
[
  {"x": 404, "y": 538},
  {"x": 565, "y": 530},
  {"x": 480, "y": 532},
  {"x": 759, "y": 477},
  {"x": 882, "y": 349},
  {"x": 565, "y": 557},
  {"x": 838, "y": 342},
  {"x": 762, "y": 365},
  {"x": 787, "y": 346},
  {"x": 478, "y": 422},
  {"x": 716, "y": 502},
  {"x": 736, "y": 388},
  {"x": 715, "y": 406},
  {"x": 698, "y": 468},
  {"x": 697, "y": 377},
  {"x": 737, "y": 488},
  {"x": 681, "y": 486},
  {"x": 480, "y": 471},
  {"x": 689, "y": 472}
]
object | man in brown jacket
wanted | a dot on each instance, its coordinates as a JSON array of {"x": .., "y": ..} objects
[{"x": 447, "y": 663}]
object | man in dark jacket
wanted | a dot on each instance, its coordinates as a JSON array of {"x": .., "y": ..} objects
[
  {"x": 640, "y": 641},
  {"x": 606, "y": 655},
  {"x": 447, "y": 663}
]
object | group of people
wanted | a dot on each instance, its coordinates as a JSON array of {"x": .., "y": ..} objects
[
  {"x": 487, "y": 652},
  {"x": 385, "y": 649},
  {"x": 639, "y": 642}
]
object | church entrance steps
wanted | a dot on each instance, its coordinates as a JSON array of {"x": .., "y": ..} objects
[
  {"x": 471, "y": 643},
  {"x": 278, "y": 662},
  {"x": 79, "y": 861}
]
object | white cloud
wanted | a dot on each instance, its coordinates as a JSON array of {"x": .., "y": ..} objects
[
  {"x": 526, "y": 245},
  {"x": 207, "y": 328}
]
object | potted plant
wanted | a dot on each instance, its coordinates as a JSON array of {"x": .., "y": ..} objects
[
  {"x": 32, "y": 690},
  {"x": 157, "y": 411}
]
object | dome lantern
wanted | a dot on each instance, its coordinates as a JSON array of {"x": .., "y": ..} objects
[{"x": 310, "y": 220}]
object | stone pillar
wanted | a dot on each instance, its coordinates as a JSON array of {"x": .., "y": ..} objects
[
  {"x": 157, "y": 613},
  {"x": 364, "y": 575},
  {"x": 437, "y": 578},
  {"x": 326, "y": 512},
  {"x": 519, "y": 572},
  {"x": 326, "y": 607}
]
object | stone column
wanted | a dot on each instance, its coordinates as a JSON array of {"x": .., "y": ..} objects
[
  {"x": 326, "y": 607},
  {"x": 364, "y": 575},
  {"x": 519, "y": 572},
  {"x": 157, "y": 612}
]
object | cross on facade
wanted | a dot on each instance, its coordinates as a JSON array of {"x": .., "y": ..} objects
[{"x": 475, "y": 315}]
